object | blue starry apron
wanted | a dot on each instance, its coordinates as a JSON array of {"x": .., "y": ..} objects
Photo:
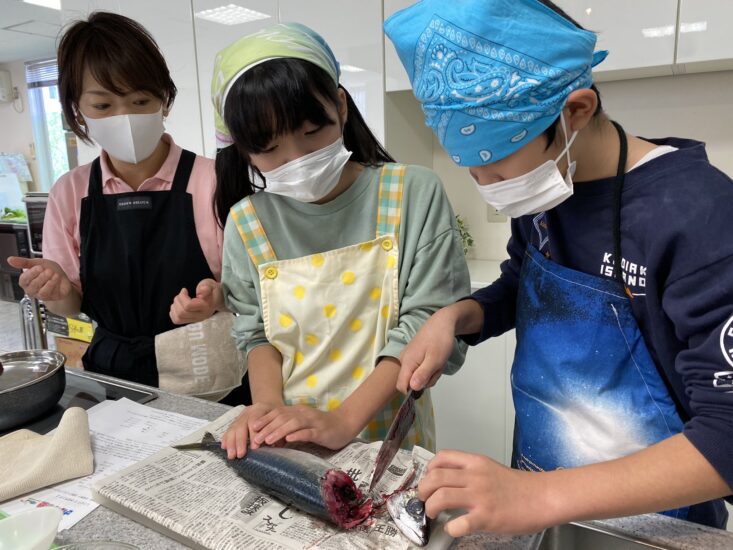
[{"x": 585, "y": 387}]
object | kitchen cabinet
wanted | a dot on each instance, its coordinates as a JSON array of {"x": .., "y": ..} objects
[
  {"x": 703, "y": 36},
  {"x": 644, "y": 38},
  {"x": 640, "y": 36}
]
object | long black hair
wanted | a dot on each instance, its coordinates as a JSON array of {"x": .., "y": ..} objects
[
  {"x": 551, "y": 132},
  {"x": 274, "y": 98}
]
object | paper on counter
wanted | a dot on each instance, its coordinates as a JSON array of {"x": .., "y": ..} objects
[
  {"x": 196, "y": 498},
  {"x": 123, "y": 432}
]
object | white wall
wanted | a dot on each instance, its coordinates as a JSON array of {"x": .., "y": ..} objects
[
  {"x": 698, "y": 106},
  {"x": 16, "y": 131}
]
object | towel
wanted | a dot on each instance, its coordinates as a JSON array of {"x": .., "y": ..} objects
[
  {"x": 29, "y": 461},
  {"x": 200, "y": 359}
]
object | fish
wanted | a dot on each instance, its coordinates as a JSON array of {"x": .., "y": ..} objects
[
  {"x": 300, "y": 479},
  {"x": 321, "y": 489},
  {"x": 408, "y": 512}
]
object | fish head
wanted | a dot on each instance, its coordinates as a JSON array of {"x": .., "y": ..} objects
[{"x": 408, "y": 512}]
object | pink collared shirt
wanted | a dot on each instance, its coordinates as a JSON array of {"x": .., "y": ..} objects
[{"x": 61, "y": 239}]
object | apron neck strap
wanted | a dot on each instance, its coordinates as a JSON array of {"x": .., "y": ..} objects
[
  {"x": 180, "y": 179},
  {"x": 183, "y": 171},
  {"x": 389, "y": 207},
  {"x": 95, "y": 178},
  {"x": 252, "y": 232},
  {"x": 617, "y": 190}
]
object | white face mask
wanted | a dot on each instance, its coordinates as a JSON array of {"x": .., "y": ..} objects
[
  {"x": 129, "y": 138},
  {"x": 308, "y": 178},
  {"x": 536, "y": 191}
]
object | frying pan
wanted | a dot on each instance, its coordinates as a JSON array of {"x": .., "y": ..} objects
[{"x": 31, "y": 383}]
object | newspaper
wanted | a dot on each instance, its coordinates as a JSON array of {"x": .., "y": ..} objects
[{"x": 195, "y": 498}]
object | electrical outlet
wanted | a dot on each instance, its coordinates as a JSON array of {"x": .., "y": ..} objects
[{"x": 493, "y": 215}]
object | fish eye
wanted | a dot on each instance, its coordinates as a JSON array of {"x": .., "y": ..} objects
[{"x": 415, "y": 507}]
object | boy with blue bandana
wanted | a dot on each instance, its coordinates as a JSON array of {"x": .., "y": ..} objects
[{"x": 618, "y": 281}]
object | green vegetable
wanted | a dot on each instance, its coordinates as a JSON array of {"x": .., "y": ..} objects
[{"x": 13, "y": 215}]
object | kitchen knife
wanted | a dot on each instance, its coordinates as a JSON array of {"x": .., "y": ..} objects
[{"x": 396, "y": 434}]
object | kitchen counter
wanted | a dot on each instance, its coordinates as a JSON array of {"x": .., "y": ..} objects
[{"x": 103, "y": 524}]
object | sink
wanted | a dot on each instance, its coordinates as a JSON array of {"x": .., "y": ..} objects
[{"x": 579, "y": 536}]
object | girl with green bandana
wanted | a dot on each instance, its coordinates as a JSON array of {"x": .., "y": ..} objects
[{"x": 337, "y": 263}]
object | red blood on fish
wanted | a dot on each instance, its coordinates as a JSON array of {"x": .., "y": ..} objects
[{"x": 344, "y": 501}]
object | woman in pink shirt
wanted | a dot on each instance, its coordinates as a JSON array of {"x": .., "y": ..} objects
[{"x": 135, "y": 229}]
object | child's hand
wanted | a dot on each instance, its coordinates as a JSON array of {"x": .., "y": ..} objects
[
  {"x": 425, "y": 356},
  {"x": 495, "y": 498},
  {"x": 301, "y": 423},
  {"x": 207, "y": 301},
  {"x": 234, "y": 440}
]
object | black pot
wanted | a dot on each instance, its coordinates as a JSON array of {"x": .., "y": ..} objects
[{"x": 31, "y": 383}]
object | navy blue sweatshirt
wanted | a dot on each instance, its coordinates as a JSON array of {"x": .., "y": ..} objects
[{"x": 677, "y": 259}]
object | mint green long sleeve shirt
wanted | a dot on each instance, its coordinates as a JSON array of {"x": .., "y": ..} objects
[{"x": 432, "y": 267}]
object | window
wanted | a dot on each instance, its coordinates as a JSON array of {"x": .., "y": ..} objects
[{"x": 55, "y": 144}]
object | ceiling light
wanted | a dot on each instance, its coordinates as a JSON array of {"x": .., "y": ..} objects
[
  {"x": 231, "y": 15},
  {"x": 53, "y": 4}
]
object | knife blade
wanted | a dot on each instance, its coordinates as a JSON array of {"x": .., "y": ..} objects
[{"x": 397, "y": 431}]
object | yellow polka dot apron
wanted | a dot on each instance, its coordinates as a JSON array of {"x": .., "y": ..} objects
[{"x": 329, "y": 314}]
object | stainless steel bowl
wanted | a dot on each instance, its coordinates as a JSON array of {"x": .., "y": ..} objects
[{"x": 31, "y": 383}]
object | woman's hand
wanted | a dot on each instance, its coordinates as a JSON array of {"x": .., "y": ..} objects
[
  {"x": 302, "y": 423},
  {"x": 42, "y": 279},
  {"x": 208, "y": 300}
]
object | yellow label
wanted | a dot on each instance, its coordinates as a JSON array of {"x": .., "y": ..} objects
[{"x": 80, "y": 330}]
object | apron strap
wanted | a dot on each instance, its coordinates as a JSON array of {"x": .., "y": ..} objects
[
  {"x": 618, "y": 188},
  {"x": 95, "y": 178},
  {"x": 389, "y": 209},
  {"x": 180, "y": 179},
  {"x": 253, "y": 234},
  {"x": 183, "y": 171}
]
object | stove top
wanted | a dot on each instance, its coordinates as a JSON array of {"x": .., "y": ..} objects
[{"x": 83, "y": 392}]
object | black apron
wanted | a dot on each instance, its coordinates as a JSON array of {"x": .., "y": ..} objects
[{"x": 138, "y": 250}]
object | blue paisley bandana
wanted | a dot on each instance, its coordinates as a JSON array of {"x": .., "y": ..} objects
[{"x": 491, "y": 75}]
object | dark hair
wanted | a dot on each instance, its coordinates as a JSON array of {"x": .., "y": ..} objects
[
  {"x": 551, "y": 132},
  {"x": 120, "y": 54},
  {"x": 274, "y": 98}
]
